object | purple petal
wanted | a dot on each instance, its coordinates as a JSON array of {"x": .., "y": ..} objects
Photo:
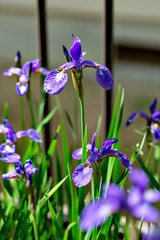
[
  {"x": 11, "y": 71},
  {"x": 146, "y": 212},
  {"x": 156, "y": 116},
  {"x": 135, "y": 197},
  {"x": 21, "y": 88},
  {"x": 88, "y": 63},
  {"x": 12, "y": 174},
  {"x": 139, "y": 178},
  {"x": 142, "y": 114},
  {"x": 11, "y": 158},
  {"x": 82, "y": 175},
  {"x": 155, "y": 128},
  {"x": 33, "y": 134},
  {"x": 5, "y": 148},
  {"x": 124, "y": 160},
  {"x": 92, "y": 159},
  {"x": 93, "y": 147},
  {"x": 153, "y": 106},
  {"x": 35, "y": 64},
  {"x": 75, "y": 51},
  {"x": 3, "y": 129},
  {"x": 22, "y": 134},
  {"x": 29, "y": 168},
  {"x": 151, "y": 196},
  {"x": 67, "y": 66},
  {"x": 9, "y": 132},
  {"x": 95, "y": 214},
  {"x": 77, "y": 154},
  {"x": 104, "y": 77},
  {"x": 114, "y": 192},
  {"x": 132, "y": 118},
  {"x": 44, "y": 71},
  {"x": 55, "y": 82}
]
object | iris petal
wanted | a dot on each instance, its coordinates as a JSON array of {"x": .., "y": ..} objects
[
  {"x": 82, "y": 175},
  {"x": 21, "y": 88},
  {"x": 104, "y": 77},
  {"x": 55, "y": 82}
]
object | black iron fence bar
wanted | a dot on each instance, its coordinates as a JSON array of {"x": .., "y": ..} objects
[
  {"x": 107, "y": 59},
  {"x": 43, "y": 54}
]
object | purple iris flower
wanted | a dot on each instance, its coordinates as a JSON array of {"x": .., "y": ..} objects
[
  {"x": 140, "y": 199},
  {"x": 57, "y": 79},
  {"x": 98, "y": 211},
  {"x": 138, "y": 202},
  {"x": 30, "y": 67},
  {"x": 28, "y": 169},
  {"x": 153, "y": 120},
  {"x": 12, "y": 137},
  {"x": 83, "y": 172}
]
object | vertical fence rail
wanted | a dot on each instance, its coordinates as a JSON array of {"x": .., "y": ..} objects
[
  {"x": 107, "y": 58},
  {"x": 43, "y": 53}
]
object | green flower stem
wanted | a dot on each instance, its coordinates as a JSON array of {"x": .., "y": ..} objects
[
  {"x": 82, "y": 118},
  {"x": 33, "y": 212},
  {"x": 149, "y": 147},
  {"x": 29, "y": 97}
]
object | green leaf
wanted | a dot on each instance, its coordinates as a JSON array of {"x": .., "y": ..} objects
[
  {"x": 53, "y": 143},
  {"x": 46, "y": 119},
  {"x": 71, "y": 126},
  {"x": 55, "y": 220},
  {"x": 67, "y": 230},
  {"x": 48, "y": 195},
  {"x": 153, "y": 181}
]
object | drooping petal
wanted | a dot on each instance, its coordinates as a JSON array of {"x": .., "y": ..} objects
[
  {"x": 67, "y": 66},
  {"x": 146, "y": 212},
  {"x": 153, "y": 106},
  {"x": 95, "y": 214},
  {"x": 33, "y": 134},
  {"x": 11, "y": 158},
  {"x": 12, "y": 174},
  {"x": 5, "y": 148},
  {"x": 20, "y": 134},
  {"x": 88, "y": 63},
  {"x": 151, "y": 196},
  {"x": 44, "y": 71},
  {"x": 21, "y": 89},
  {"x": 132, "y": 118},
  {"x": 124, "y": 160},
  {"x": 145, "y": 116},
  {"x": 104, "y": 77},
  {"x": 82, "y": 175},
  {"x": 11, "y": 71},
  {"x": 55, "y": 82},
  {"x": 139, "y": 178}
]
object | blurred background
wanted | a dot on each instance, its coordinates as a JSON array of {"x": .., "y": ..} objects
[{"x": 136, "y": 31}]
